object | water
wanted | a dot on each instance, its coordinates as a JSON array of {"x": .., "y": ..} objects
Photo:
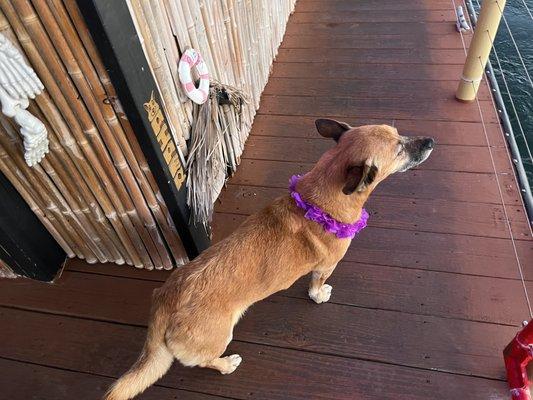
[{"x": 520, "y": 88}]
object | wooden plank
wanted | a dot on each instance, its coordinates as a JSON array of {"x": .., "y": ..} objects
[
  {"x": 266, "y": 372},
  {"x": 22, "y": 381},
  {"x": 444, "y": 109},
  {"x": 375, "y": 16},
  {"x": 421, "y": 292},
  {"x": 374, "y": 28},
  {"x": 423, "y": 250},
  {"x": 356, "y": 70},
  {"x": 443, "y": 158},
  {"x": 439, "y": 216},
  {"x": 418, "y": 183},
  {"x": 371, "y": 5},
  {"x": 475, "y": 298},
  {"x": 365, "y": 89},
  {"x": 378, "y": 41},
  {"x": 444, "y": 132},
  {"x": 426, "y": 342},
  {"x": 372, "y": 56}
]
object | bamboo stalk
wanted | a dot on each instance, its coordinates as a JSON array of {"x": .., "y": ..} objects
[
  {"x": 168, "y": 96},
  {"x": 86, "y": 81},
  {"x": 65, "y": 189},
  {"x": 34, "y": 184},
  {"x": 76, "y": 118},
  {"x": 49, "y": 222},
  {"x": 129, "y": 143},
  {"x": 76, "y": 184},
  {"x": 55, "y": 118}
]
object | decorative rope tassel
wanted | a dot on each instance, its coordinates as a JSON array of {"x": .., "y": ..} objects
[{"x": 215, "y": 148}]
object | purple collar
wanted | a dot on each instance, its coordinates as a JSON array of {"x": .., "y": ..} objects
[{"x": 330, "y": 224}]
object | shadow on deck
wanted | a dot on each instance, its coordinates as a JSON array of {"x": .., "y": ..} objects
[{"x": 424, "y": 301}]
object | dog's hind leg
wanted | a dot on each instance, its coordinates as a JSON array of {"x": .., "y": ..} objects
[
  {"x": 202, "y": 344},
  {"x": 319, "y": 291},
  {"x": 225, "y": 365}
]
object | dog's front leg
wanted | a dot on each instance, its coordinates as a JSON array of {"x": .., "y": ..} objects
[{"x": 319, "y": 291}]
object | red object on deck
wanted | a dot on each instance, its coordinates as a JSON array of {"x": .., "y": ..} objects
[{"x": 517, "y": 356}]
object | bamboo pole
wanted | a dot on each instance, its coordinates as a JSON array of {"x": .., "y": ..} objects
[
  {"x": 36, "y": 185},
  {"x": 48, "y": 221},
  {"x": 141, "y": 185},
  {"x": 94, "y": 95},
  {"x": 65, "y": 189},
  {"x": 119, "y": 219},
  {"x": 479, "y": 50},
  {"x": 128, "y": 141},
  {"x": 77, "y": 118}
]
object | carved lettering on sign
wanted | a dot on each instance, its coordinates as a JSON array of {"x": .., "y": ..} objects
[{"x": 164, "y": 138}]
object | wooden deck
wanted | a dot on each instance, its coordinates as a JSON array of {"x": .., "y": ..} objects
[{"x": 427, "y": 296}]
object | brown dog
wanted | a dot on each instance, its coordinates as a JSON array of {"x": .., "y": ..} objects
[{"x": 194, "y": 312}]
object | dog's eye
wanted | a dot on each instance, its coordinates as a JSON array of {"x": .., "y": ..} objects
[{"x": 400, "y": 150}]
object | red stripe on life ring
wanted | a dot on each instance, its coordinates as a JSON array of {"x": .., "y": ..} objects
[
  {"x": 188, "y": 60},
  {"x": 204, "y": 76},
  {"x": 189, "y": 86}
]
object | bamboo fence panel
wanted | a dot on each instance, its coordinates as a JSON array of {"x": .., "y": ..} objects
[
  {"x": 94, "y": 190},
  {"x": 238, "y": 40}
]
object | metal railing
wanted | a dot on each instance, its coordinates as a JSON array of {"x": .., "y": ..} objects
[{"x": 485, "y": 34}]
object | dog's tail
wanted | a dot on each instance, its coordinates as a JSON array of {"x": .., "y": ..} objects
[{"x": 154, "y": 361}]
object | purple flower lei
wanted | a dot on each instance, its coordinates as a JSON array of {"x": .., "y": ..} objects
[{"x": 330, "y": 224}]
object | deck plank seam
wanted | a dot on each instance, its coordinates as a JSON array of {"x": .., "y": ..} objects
[{"x": 262, "y": 344}]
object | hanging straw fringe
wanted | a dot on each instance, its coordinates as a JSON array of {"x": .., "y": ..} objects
[{"x": 215, "y": 147}]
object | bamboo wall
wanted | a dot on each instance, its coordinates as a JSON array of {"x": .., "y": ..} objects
[
  {"x": 94, "y": 191},
  {"x": 238, "y": 39}
]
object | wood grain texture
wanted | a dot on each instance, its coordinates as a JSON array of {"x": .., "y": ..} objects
[
  {"x": 418, "y": 184},
  {"x": 20, "y": 380},
  {"x": 444, "y": 157},
  {"x": 444, "y": 132},
  {"x": 363, "y": 88},
  {"x": 423, "y": 250},
  {"x": 353, "y": 333},
  {"x": 375, "y": 16},
  {"x": 439, "y": 216},
  {"x": 443, "y": 109},
  {"x": 373, "y": 56},
  {"x": 376, "y": 41},
  {"x": 270, "y": 373},
  {"x": 410, "y": 291},
  {"x": 333, "y": 69},
  {"x": 392, "y": 6}
]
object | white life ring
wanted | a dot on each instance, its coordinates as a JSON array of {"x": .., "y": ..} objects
[{"x": 190, "y": 59}]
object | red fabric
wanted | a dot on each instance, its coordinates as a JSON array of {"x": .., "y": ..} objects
[{"x": 517, "y": 356}]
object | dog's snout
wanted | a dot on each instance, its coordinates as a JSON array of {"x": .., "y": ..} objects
[{"x": 428, "y": 143}]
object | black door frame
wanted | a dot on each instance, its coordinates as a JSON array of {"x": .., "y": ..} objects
[{"x": 26, "y": 246}]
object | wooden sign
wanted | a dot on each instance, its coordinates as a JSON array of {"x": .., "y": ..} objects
[{"x": 164, "y": 138}]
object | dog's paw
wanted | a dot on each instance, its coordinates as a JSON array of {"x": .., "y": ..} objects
[
  {"x": 322, "y": 295},
  {"x": 233, "y": 362}
]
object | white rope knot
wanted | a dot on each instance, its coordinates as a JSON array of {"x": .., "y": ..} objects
[{"x": 467, "y": 80}]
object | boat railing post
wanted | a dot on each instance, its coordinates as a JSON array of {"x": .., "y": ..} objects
[{"x": 479, "y": 50}]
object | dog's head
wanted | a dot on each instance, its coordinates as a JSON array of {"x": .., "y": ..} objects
[{"x": 370, "y": 153}]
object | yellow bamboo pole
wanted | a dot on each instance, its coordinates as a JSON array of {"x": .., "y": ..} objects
[{"x": 478, "y": 53}]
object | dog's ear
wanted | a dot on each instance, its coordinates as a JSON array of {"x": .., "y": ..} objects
[
  {"x": 358, "y": 177},
  {"x": 329, "y": 128}
]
